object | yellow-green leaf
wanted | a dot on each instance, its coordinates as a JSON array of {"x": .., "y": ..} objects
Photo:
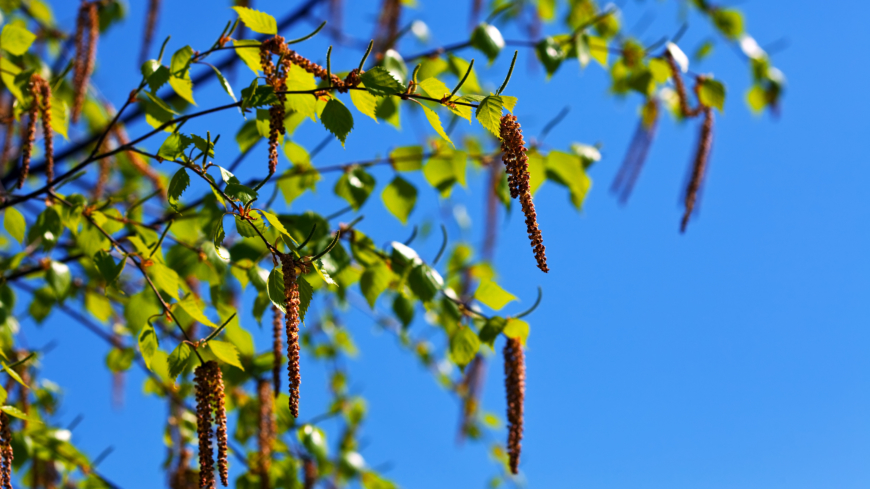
[
  {"x": 257, "y": 21},
  {"x": 14, "y": 223},
  {"x": 226, "y": 352},
  {"x": 194, "y": 308},
  {"x": 16, "y": 39},
  {"x": 492, "y": 295},
  {"x": 399, "y": 197}
]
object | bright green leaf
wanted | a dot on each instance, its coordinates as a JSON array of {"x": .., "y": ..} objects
[
  {"x": 399, "y": 197},
  {"x": 490, "y": 294}
]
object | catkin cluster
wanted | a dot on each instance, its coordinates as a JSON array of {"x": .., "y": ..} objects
[
  {"x": 517, "y": 166},
  {"x": 210, "y": 398},
  {"x": 277, "y": 348},
  {"x": 87, "y": 34},
  {"x": 266, "y": 432},
  {"x": 5, "y": 453},
  {"x": 150, "y": 27},
  {"x": 699, "y": 166},
  {"x": 40, "y": 92},
  {"x": 515, "y": 390},
  {"x": 291, "y": 270}
]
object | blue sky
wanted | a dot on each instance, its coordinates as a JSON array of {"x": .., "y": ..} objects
[{"x": 732, "y": 356}]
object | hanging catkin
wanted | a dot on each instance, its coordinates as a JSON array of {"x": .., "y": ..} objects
[
  {"x": 9, "y": 120},
  {"x": 221, "y": 420},
  {"x": 515, "y": 391},
  {"x": 47, "y": 131},
  {"x": 638, "y": 150},
  {"x": 266, "y": 433},
  {"x": 699, "y": 166},
  {"x": 87, "y": 34},
  {"x": 30, "y": 133},
  {"x": 309, "y": 473},
  {"x": 277, "y": 349},
  {"x": 5, "y": 453},
  {"x": 681, "y": 88},
  {"x": 291, "y": 321},
  {"x": 276, "y": 111},
  {"x": 517, "y": 167},
  {"x": 202, "y": 379},
  {"x": 150, "y": 27}
]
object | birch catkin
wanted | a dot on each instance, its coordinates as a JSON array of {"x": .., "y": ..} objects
[
  {"x": 291, "y": 321},
  {"x": 266, "y": 431},
  {"x": 277, "y": 347},
  {"x": 221, "y": 421},
  {"x": 5, "y": 452},
  {"x": 150, "y": 27},
  {"x": 699, "y": 166},
  {"x": 202, "y": 379},
  {"x": 517, "y": 166},
  {"x": 30, "y": 134},
  {"x": 87, "y": 34},
  {"x": 44, "y": 89},
  {"x": 515, "y": 391}
]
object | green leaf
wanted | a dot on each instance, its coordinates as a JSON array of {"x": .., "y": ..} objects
[
  {"x": 194, "y": 308},
  {"x": 488, "y": 40},
  {"x": 226, "y": 352},
  {"x": 246, "y": 229},
  {"x": 241, "y": 193},
  {"x": 425, "y": 282},
  {"x": 16, "y": 39},
  {"x": 178, "y": 360},
  {"x": 435, "y": 122},
  {"x": 518, "y": 329},
  {"x": 337, "y": 119},
  {"x": 712, "y": 93},
  {"x": 355, "y": 186},
  {"x": 437, "y": 89},
  {"x": 224, "y": 83},
  {"x": 275, "y": 288},
  {"x": 365, "y": 102},
  {"x": 250, "y": 55},
  {"x": 148, "y": 344},
  {"x": 276, "y": 223},
  {"x": 407, "y": 158},
  {"x": 218, "y": 239},
  {"x": 14, "y": 411},
  {"x": 174, "y": 146},
  {"x": 490, "y": 331},
  {"x": 257, "y": 21},
  {"x": 489, "y": 114},
  {"x": 13, "y": 374},
  {"x": 550, "y": 53},
  {"x": 59, "y": 278},
  {"x": 444, "y": 170},
  {"x": 107, "y": 267},
  {"x": 379, "y": 81},
  {"x": 660, "y": 70},
  {"x": 165, "y": 279},
  {"x": 404, "y": 309},
  {"x": 180, "y": 181},
  {"x": 490, "y": 294},
  {"x": 464, "y": 345},
  {"x": 374, "y": 281},
  {"x": 400, "y": 197},
  {"x": 598, "y": 48},
  {"x": 180, "y": 71},
  {"x": 568, "y": 170},
  {"x": 729, "y": 22},
  {"x": 120, "y": 360},
  {"x": 14, "y": 223},
  {"x": 60, "y": 117},
  {"x": 158, "y": 77}
]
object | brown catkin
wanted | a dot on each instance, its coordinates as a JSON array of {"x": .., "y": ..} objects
[
  {"x": 276, "y": 112},
  {"x": 5, "y": 453},
  {"x": 515, "y": 391},
  {"x": 517, "y": 166},
  {"x": 221, "y": 421},
  {"x": 291, "y": 322},
  {"x": 150, "y": 27},
  {"x": 638, "y": 150},
  {"x": 29, "y": 135},
  {"x": 309, "y": 473},
  {"x": 699, "y": 166},
  {"x": 9, "y": 133},
  {"x": 47, "y": 131},
  {"x": 266, "y": 433},
  {"x": 681, "y": 88},
  {"x": 87, "y": 34},
  {"x": 203, "y": 381},
  {"x": 277, "y": 349}
]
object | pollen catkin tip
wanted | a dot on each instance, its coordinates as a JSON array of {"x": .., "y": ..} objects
[{"x": 515, "y": 391}]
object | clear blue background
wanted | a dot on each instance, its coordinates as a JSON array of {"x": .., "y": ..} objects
[{"x": 732, "y": 356}]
